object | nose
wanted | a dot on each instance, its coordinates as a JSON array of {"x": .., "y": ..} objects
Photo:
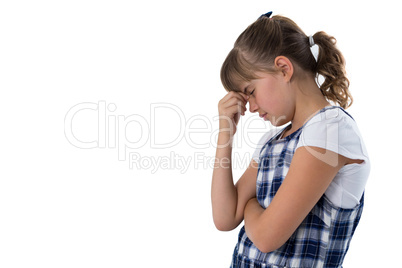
[{"x": 253, "y": 105}]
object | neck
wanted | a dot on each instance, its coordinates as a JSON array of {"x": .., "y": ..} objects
[{"x": 309, "y": 100}]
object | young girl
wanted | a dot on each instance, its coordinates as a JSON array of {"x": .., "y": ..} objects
[{"x": 301, "y": 197}]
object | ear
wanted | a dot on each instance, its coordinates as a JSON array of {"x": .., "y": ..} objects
[{"x": 285, "y": 67}]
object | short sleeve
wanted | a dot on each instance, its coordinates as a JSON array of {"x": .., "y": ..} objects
[
  {"x": 334, "y": 130},
  {"x": 263, "y": 140}
]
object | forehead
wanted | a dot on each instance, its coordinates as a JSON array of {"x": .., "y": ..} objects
[
  {"x": 243, "y": 84},
  {"x": 240, "y": 85},
  {"x": 261, "y": 77}
]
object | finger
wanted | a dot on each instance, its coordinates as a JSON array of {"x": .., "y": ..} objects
[
  {"x": 240, "y": 96},
  {"x": 233, "y": 101},
  {"x": 237, "y": 95},
  {"x": 236, "y": 109},
  {"x": 246, "y": 97}
]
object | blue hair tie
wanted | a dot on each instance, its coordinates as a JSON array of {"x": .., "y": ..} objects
[{"x": 268, "y": 14}]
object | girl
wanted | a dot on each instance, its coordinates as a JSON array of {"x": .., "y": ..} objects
[{"x": 301, "y": 197}]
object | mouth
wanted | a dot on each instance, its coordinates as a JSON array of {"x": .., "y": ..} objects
[{"x": 263, "y": 115}]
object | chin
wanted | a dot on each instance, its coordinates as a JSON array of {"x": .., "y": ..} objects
[{"x": 278, "y": 121}]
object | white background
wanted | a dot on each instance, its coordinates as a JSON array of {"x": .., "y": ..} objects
[{"x": 65, "y": 206}]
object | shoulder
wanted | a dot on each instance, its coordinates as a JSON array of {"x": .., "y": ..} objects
[
  {"x": 334, "y": 129},
  {"x": 331, "y": 114}
]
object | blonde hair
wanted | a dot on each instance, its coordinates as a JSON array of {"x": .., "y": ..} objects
[{"x": 257, "y": 47}]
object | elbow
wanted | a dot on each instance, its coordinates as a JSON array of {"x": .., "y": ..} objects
[
  {"x": 267, "y": 242},
  {"x": 265, "y": 246},
  {"x": 224, "y": 226}
]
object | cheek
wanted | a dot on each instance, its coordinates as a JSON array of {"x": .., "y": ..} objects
[
  {"x": 278, "y": 106},
  {"x": 264, "y": 98},
  {"x": 270, "y": 102}
]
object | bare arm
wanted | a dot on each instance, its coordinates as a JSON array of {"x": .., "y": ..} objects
[
  {"x": 229, "y": 200},
  {"x": 305, "y": 183}
]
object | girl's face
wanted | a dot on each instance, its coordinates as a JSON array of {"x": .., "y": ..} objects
[{"x": 271, "y": 97}]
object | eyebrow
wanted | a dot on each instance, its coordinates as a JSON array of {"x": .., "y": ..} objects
[{"x": 245, "y": 90}]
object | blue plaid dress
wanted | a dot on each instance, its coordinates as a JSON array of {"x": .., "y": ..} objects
[{"x": 323, "y": 237}]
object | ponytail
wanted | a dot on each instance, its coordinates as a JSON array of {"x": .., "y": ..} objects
[
  {"x": 257, "y": 47},
  {"x": 331, "y": 65}
]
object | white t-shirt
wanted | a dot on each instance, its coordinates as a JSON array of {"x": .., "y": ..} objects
[{"x": 335, "y": 130}]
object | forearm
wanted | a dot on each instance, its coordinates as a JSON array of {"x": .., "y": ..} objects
[
  {"x": 262, "y": 228},
  {"x": 253, "y": 225},
  {"x": 223, "y": 192}
]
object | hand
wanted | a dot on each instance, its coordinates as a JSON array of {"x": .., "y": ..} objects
[{"x": 230, "y": 107}]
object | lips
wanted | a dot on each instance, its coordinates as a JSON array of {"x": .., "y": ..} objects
[{"x": 263, "y": 115}]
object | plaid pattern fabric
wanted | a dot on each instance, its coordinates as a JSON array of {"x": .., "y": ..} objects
[{"x": 323, "y": 237}]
